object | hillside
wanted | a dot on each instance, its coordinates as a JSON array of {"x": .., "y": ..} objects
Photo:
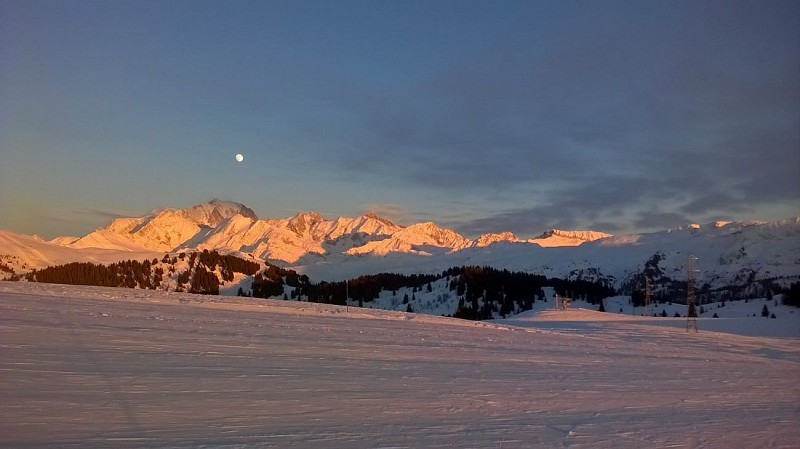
[
  {"x": 736, "y": 259},
  {"x": 22, "y": 253},
  {"x": 151, "y": 369}
]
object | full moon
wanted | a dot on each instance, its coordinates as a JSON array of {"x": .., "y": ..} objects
[{"x": 239, "y": 157}]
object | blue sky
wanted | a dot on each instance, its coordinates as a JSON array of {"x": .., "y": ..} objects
[{"x": 481, "y": 116}]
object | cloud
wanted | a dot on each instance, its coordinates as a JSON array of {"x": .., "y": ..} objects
[
  {"x": 682, "y": 122},
  {"x": 108, "y": 213},
  {"x": 712, "y": 202},
  {"x": 662, "y": 220}
]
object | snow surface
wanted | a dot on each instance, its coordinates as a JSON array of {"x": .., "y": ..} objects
[
  {"x": 557, "y": 237},
  {"x": 733, "y": 317},
  {"x": 97, "y": 367},
  {"x": 23, "y": 253}
]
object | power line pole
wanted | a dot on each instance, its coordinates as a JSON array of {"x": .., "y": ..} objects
[{"x": 691, "y": 298}]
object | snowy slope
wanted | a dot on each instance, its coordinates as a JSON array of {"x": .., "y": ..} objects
[
  {"x": 422, "y": 238},
  {"x": 98, "y": 368},
  {"x": 558, "y": 237},
  {"x": 163, "y": 230},
  {"x": 729, "y": 254},
  {"x": 23, "y": 253},
  {"x": 289, "y": 240},
  {"x": 492, "y": 238}
]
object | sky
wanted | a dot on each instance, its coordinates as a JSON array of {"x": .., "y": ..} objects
[{"x": 482, "y": 116}]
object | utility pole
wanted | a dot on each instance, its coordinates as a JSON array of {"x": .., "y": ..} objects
[
  {"x": 691, "y": 297},
  {"x": 647, "y": 296}
]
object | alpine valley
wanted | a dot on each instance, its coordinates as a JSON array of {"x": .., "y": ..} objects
[{"x": 733, "y": 259}]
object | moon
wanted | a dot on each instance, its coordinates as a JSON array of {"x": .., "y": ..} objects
[{"x": 239, "y": 157}]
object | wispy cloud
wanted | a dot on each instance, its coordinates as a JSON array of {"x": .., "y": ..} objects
[{"x": 109, "y": 213}]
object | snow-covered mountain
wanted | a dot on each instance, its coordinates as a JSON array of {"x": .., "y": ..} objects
[
  {"x": 745, "y": 253},
  {"x": 22, "y": 253},
  {"x": 303, "y": 238},
  {"x": 161, "y": 230},
  {"x": 422, "y": 238},
  {"x": 557, "y": 237},
  {"x": 307, "y": 236},
  {"x": 491, "y": 238},
  {"x": 746, "y": 256}
]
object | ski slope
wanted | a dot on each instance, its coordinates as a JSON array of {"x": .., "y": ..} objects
[{"x": 96, "y": 367}]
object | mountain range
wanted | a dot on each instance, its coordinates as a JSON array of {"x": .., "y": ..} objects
[
  {"x": 232, "y": 226},
  {"x": 727, "y": 253}
]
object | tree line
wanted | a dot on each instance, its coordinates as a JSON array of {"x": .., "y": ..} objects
[
  {"x": 200, "y": 276},
  {"x": 483, "y": 292}
]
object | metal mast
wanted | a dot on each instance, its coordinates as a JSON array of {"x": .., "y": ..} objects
[{"x": 691, "y": 297}]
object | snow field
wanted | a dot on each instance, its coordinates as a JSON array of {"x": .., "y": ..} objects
[
  {"x": 97, "y": 367},
  {"x": 733, "y": 317}
]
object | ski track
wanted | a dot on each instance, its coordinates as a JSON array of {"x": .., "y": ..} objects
[{"x": 97, "y": 368}]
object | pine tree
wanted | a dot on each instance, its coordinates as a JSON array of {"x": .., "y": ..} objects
[{"x": 765, "y": 311}]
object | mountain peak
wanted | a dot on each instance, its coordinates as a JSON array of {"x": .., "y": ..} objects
[
  {"x": 559, "y": 237},
  {"x": 488, "y": 239},
  {"x": 430, "y": 233},
  {"x": 308, "y": 217},
  {"x": 304, "y": 221},
  {"x": 376, "y": 217},
  {"x": 214, "y": 211}
]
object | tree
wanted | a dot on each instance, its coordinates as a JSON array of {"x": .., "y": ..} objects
[
  {"x": 765, "y": 311},
  {"x": 466, "y": 314},
  {"x": 602, "y": 307},
  {"x": 792, "y": 296},
  {"x": 409, "y": 309}
]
